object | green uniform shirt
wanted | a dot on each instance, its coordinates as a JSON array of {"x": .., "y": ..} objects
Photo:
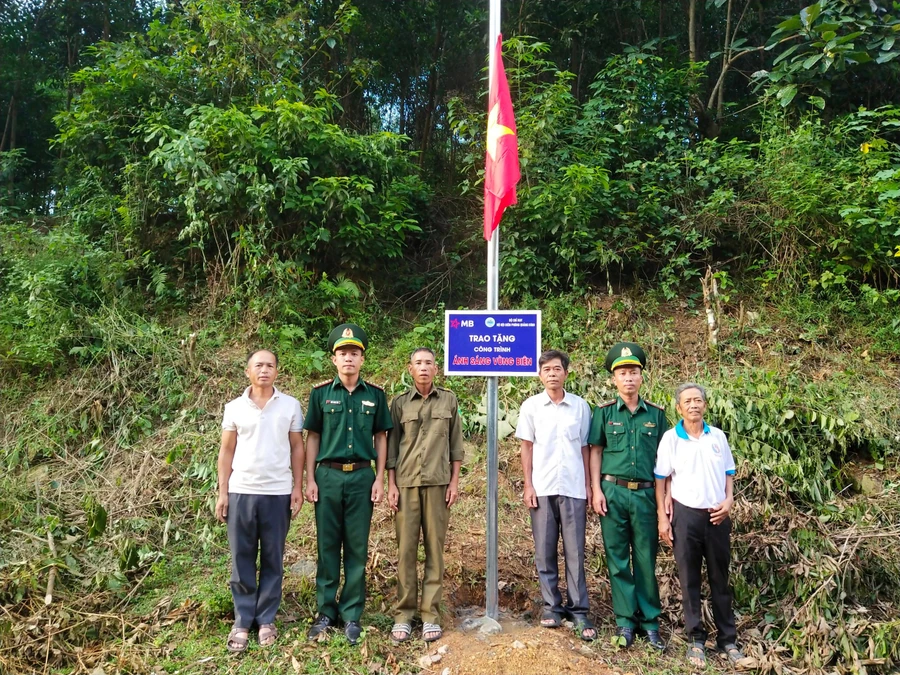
[
  {"x": 426, "y": 437},
  {"x": 629, "y": 439},
  {"x": 347, "y": 420}
]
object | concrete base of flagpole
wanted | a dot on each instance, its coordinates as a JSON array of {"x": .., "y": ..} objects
[{"x": 483, "y": 625}]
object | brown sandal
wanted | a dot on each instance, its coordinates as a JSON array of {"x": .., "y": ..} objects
[
  {"x": 267, "y": 634},
  {"x": 236, "y": 642}
]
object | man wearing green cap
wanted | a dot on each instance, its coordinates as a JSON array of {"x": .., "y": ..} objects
[
  {"x": 347, "y": 422},
  {"x": 624, "y": 437}
]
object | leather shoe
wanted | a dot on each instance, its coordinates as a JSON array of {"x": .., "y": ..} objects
[
  {"x": 655, "y": 640},
  {"x": 627, "y": 633},
  {"x": 321, "y": 625},
  {"x": 352, "y": 630}
]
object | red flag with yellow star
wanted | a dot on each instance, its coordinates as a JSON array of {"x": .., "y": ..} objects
[{"x": 501, "y": 168}]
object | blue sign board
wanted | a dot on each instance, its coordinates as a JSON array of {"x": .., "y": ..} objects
[{"x": 492, "y": 344}]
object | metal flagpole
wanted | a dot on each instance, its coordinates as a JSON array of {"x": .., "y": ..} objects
[{"x": 491, "y": 598}]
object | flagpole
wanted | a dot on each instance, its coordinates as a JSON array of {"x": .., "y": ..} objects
[{"x": 491, "y": 599}]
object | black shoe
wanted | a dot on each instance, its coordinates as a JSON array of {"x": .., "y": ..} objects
[
  {"x": 321, "y": 626},
  {"x": 655, "y": 640},
  {"x": 627, "y": 633},
  {"x": 352, "y": 630}
]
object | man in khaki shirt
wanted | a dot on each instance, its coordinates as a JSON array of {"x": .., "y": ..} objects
[{"x": 425, "y": 452}]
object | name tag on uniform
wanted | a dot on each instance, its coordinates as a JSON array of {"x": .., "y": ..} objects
[
  {"x": 615, "y": 424},
  {"x": 332, "y": 402},
  {"x": 368, "y": 403},
  {"x": 652, "y": 425}
]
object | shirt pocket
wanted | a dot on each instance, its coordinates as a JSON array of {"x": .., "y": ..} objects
[
  {"x": 617, "y": 438},
  {"x": 572, "y": 431},
  {"x": 440, "y": 422},
  {"x": 649, "y": 436},
  {"x": 333, "y": 414},
  {"x": 365, "y": 416}
]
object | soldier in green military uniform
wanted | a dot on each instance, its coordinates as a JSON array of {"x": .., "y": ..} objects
[
  {"x": 624, "y": 437},
  {"x": 347, "y": 422}
]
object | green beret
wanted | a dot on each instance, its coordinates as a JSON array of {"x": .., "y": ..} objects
[
  {"x": 625, "y": 354},
  {"x": 347, "y": 335}
]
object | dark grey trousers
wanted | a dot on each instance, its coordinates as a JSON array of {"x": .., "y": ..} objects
[
  {"x": 695, "y": 539},
  {"x": 553, "y": 516},
  {"x": 257, "y": 526}
]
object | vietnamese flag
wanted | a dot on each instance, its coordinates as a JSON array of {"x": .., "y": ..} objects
[{"x": 501, "y": 167}]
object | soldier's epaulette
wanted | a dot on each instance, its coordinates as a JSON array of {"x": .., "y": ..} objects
[
  {"x": 372, "y": 384},
  {"x": 322, "y": 384},
  {"x": 659, "y": 407},
  {"x": 607, "y": 404}
]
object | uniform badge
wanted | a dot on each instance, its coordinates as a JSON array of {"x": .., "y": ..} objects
[
  {"x": 348, "y": 332},
  {"x": 333, "y": 402},
  {"x": 615, "y": 424},
  {"x": 626, "y": 351},
  {"x": 368, "y": 403},
  {"x": 650, "y": 424}
]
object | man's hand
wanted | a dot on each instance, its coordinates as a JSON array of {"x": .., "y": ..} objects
[
  {"x": 452, "y": 493},
  {"x": 665, "y": 528},
  {"x": 296, "y": 500},
  {"x": 377, "y": 491},
  {"x": 222, "y": 507},
  {"x": 312, "y": 491},
  {"x": 530, "y": 497},
  {"x": 599, "y": 502},
  {"x": 719, "y": 513},
  {"x": 394, "y": 497}
]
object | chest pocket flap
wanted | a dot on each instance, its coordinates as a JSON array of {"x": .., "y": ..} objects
[
  {"x": 440, "y": 421},
  {"x": 617, "y": 437}
]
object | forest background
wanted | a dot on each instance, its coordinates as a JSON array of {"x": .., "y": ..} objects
[{"x": 181, "y": 181}]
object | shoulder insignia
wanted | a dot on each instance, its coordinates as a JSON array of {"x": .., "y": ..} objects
[
  {"x": 607, "y": 404},
  {"x": 372, "y": 384},
  {"x": 658, "y": 407},
  {"x": 322, "y": 384}
]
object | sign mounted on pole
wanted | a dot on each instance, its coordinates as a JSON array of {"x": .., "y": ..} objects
[{"x": 484, "y": 343}]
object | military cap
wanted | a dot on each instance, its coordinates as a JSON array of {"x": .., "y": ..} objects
[
  {"x": 625, "y": 354},
  {"x": 347, "y": 335}
]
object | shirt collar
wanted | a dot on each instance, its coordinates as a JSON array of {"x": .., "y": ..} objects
[
  {"x": 621, "y": 403},
  {"x": 433, "y": 392},
  {"x": 275, "y": 392},
  {"x": 361, "y": 384},
  {"x": 682, "y": 432},
  {"x": 546, "y": 400}
]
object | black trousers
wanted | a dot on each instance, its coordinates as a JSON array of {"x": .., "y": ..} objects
[
  {"x": 697, "y": 538},
  {"x": 257, "y": 526}
]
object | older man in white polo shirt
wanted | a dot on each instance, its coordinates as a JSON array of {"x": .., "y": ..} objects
[
  {"x": 698, "y": 458},
  {"x": 553, "y": 430},
  {"x": 261, "y": 459}
]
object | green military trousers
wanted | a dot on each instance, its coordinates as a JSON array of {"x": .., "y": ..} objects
[
  {"x": 631, "y": 540},
  {"x": 343, "y": 517},
  {"x": 421, "y": 509}
]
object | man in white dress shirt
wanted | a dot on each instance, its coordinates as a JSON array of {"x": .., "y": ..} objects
[
  {"x": 553, "y": 430},
  {"x": 260, "y": 465},
  {"x": 698, "y": 458}
]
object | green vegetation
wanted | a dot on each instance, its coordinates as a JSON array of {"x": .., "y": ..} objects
[{"x": 181, "y": 183}]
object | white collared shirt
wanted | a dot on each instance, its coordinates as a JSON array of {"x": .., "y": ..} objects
[
  {"x": 698, "y": 466},
  {"x": 558, "y": 432},
  {"x": 262, "y": 457}
]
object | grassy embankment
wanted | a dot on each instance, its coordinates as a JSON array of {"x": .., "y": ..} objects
[{"x": 112, "y": 471}]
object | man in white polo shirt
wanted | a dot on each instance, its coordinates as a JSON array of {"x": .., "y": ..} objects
[
  {"x": 261, "y": 459},
  {"x": 553, "y": 430},
  {"x": 698, "y": 458}
]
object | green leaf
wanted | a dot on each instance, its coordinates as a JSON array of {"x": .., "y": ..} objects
[
  {"x": 809, "y": 14},
  {"x": 786, "y": 95},
  {"x": 812, "y": 60}
]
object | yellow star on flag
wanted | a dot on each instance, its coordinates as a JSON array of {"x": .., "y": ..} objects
[{"x": 495, "y": 131}]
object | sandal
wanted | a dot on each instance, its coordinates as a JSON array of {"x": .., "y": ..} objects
[
  {"x": 550, "y": 619},
  {"x": 585, "y": 629},
  {"x": 734, "y": 655},
  {"x": 237, "y": 640},
  {"x": 431, "y": 628},
  {"x": 267, "y": 634},
  {"x": 404, "y": 628},
  {"x": 696, "y": 654}
]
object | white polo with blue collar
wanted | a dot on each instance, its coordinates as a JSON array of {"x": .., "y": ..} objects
[{"x": 698, "y": 466}]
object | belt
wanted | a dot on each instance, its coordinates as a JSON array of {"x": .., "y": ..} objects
[
  {"x": 347, "y": 466},
  {"x": 630, "y": 484}
]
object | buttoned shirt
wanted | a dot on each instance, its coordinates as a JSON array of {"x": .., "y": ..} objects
[
  {"x": 698, "y": 466},
  {"x": 558, "y": 432},
  {"x": 262, "y": 455},
  {"x": 347, "y": 421},
  {"x": 629, "y": 439},
  {"x": 426, "y": 437}
]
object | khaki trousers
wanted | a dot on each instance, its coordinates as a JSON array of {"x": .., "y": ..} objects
[{"x": 421, "y": 509}]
